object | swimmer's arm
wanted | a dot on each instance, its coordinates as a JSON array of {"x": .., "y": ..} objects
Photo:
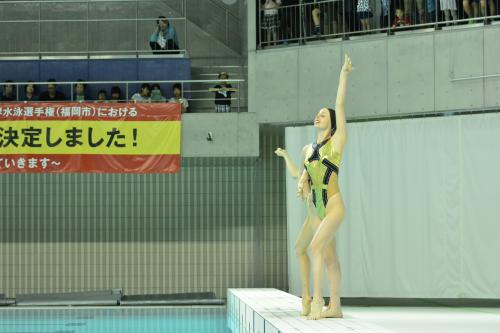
[
  {"x": 341, "y": 132},
  {"x": 292, "y": 168}
]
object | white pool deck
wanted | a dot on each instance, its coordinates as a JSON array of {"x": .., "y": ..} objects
[{"x": 274, "y": 311}]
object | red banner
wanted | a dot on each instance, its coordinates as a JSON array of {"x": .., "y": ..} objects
[{"x": 90, "y": 137}]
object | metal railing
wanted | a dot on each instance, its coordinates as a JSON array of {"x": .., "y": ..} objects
[
  {"x": 312, "y": 20},
  {"x": 224, "y": 26},
  {"x": 129, "y": 88},
  {"x": 97, "y": 26}
]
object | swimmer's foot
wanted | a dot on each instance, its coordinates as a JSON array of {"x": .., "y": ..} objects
[
  {"x": 316, "y": 308},
  {"x": 306, "y": 306},
  {"x": 332, "y": 312}
]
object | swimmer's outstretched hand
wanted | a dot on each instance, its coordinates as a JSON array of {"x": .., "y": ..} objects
[
  {"x": 281, "y": 152},
  {"x": 347, "y": 67}
]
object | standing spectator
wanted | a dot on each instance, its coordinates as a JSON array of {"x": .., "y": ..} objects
[
  {"x": 337, "y": 16},
  {"x": 177, "y": 98},
  {"x": 156, "y": 95},
  {"x": 164, "y": 38},
  {"x": 290, "y": 19},
  {"x": 30, "y": 92},
  {"x": 52, "y": 94},
  {"x": 384, "y": 13},
  {"x": 364, "y": 14},
  {"x": 484, "y": 11},
  {"x": 475, "y": 9},
  {"x": 102, "y": 96},
  {"x": 79, "y": 94},
  {"x": 271, "y": 21},
  {"x": 8, "y": 92},
  {"x": 400, "y": 19},
  {"x": 431, "y": 11},
  {"x": 144, "y": 94},
  {"x": 223, "y": 93},
  {"x": 449, "y": 6},
  {"x": 116, "y": 94},
  {"x": 420, "y": 4},
  {"x": 313, "y": 21}
]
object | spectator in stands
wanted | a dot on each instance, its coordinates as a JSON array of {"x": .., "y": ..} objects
[
  {"x": 156, "y": 95},
  {"x": 8, "y": 92},
  {"x": 30, "y": 92},
  {"x": 79, "y": 93},
  {"x": 290, "y": 19},
  {"x": 364, "y": 13},
  {"x": 336, "y": 12},
  {"x": 271, "y": 21},
  {"x": 384, "y": 13},
  {"x": 400, "y": 19},
  {"x": 164, "y": 38},
  {"x": 144, "y": 95},
  {"x": 102, "y": 96},
  {"x": 116, "y": 94},
  {"x": 475, "y": 8},
  {"x": 484, "y": 11},
  {"x": 52, "y": 94},
  {"x": 420, "y": 10},
  {"x": 449, "y": 7},
  {"x": 431, "y": 11},
  {"x": 223, "y": 93},
  {"x": 177, "y": 98},
  {"x": 312, "y": 8}
]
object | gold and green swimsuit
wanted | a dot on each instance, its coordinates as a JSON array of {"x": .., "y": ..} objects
[{"x": 323, "y": 163}]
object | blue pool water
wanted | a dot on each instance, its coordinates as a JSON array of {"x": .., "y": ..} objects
[{"x": 116, "y": 319}]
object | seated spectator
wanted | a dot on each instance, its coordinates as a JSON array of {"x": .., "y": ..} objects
[
  {"x": 52, "y": 94},
  {"x": 79, "y": 94},
  {"x": 177, "y": 98},
  {"x": 116, "y": 94},
  {"x": 400, "y": 20},
  {"x": 144, "y": 95},
  {"x": 223, "y": 94},
  {"x": 164, "y": 38},
  {"x": 102, "y": 96},
  {"x": 30, "y": 92},
  {"x": 8, "y": 92},
  {"x": 156, "y": 96}
]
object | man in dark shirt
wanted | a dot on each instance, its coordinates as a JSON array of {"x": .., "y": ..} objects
[
  {"x": 8, "y": 92},
  {"x": 51, "y": 94}
]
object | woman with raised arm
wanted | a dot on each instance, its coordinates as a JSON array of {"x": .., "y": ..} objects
[{"x": 320, "y": 176}]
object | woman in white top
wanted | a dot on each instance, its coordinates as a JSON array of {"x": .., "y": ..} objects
[{"x": 144, "y": 95}]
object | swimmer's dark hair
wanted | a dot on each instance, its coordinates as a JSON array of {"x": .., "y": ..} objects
[{"x": 333, "y": 120}]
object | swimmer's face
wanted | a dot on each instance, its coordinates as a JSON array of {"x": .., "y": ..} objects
[{"x": 322, "y": 119}]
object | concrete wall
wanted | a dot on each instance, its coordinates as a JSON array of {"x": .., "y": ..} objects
[
  {"x": 234, "y": 134},
  {"x": 401, "y": 74}
]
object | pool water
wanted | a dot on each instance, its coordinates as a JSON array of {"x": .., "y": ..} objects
[{"x": 114, "y": 319}]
